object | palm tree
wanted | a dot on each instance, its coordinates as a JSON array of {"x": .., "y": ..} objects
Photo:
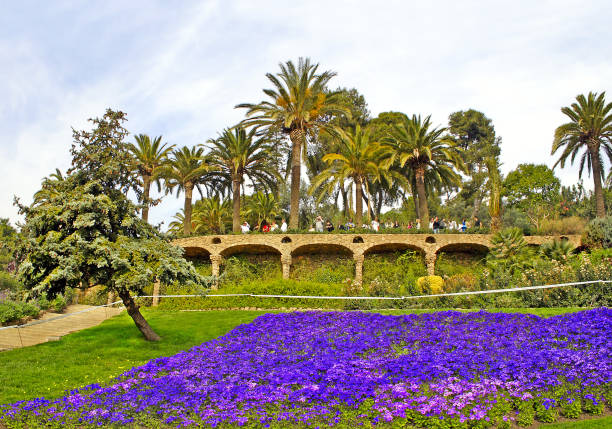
[
  {"x": 178, "y": 222},
  {"x": 263, "y": 206},
  {"x": 299, "y": 104},
  {"x": 48, "y": 191},
  {"x": 427, "y": 152},
  {"x": 149, "y": 159},
  {"x": 590, "y": 128},
  {"x": 210, "y": 215},
  {"x": 237, "y": 153},
  {"x": 186, "y": 170},
  {"x": 358, "y": 159},
  {"x": 495, "y": 192}
]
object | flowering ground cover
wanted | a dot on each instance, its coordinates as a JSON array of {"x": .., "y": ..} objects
[{"x": 444, "y": 369}]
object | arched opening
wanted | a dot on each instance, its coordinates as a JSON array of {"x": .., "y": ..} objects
[
  {"x": 430, "y": 240},
  {"x": 358, "y": 240},
  {"x": 286, "y": 240},
  {"x": 216, "y": 240},
  {"x": 200, "y": 258},
  {"x": 392, "y": 268},
  {"x": 245, "y": 263},
  {"x": 460, "y": 258},
  {"x": 322, "y": 263}
]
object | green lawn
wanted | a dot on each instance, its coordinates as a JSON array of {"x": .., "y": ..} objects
[{"x": 97, "y": 354}]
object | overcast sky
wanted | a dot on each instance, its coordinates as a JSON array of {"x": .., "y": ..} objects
[{"x": 179, "y": 68}]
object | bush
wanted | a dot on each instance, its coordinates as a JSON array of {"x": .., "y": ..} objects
[
  {"x": 9, "y": 282},
  {"x": 566, "y": 225},
  {"x": 433, "y": 285},
  {"x": 598, "y": 233},
  {"x": 13, "y": 311}
]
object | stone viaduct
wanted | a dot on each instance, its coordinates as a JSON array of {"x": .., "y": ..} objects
[{"x": 218, "y": 247}]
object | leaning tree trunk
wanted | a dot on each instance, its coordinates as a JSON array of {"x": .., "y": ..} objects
[
  {"x": 420, "y": 185},
  {"x": 297, "y": 139},
  {"x": 187, "y": 208},
  {"x": 358, "y": 203},
  {"x": 134, "y": 312},
  {"x": 146, "y": 190},
  {"x": 600, "y": 208},
  {"x": 379, "y": 202},
  {"x": 236, "y": 205}
]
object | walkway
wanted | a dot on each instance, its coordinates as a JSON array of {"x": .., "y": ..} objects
[{"x": 55, "y": 329}]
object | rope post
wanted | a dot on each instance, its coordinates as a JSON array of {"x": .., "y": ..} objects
[{"x": 19, "y": 332}]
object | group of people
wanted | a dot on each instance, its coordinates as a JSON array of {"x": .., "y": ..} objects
[{"x": 436, "y": 224}]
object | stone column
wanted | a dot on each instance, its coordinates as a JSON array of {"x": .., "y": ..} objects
[
  {"x": 286, "y": 263},
  {"x": 216, "y": 261},
  {"x": 430, "y": 260},
  {"x": 358, "y": 257},
  {"x": 156, "y": 290}
]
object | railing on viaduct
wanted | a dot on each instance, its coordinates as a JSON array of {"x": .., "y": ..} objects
[{"x": 219, "y": 247}]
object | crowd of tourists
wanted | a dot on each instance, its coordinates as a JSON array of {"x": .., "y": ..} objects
[{"x": 320, "y": 225}]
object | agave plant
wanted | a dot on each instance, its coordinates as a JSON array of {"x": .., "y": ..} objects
[
  {"x": 508, "y": 243},
  {"x": 559, "y": 250}
]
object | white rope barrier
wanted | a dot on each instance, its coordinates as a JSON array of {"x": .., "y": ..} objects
[{"x": 382, "y": 298}]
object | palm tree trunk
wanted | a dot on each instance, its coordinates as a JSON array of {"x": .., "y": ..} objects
[
  {"x": 134, "y": 312},
  {"x": 600, "y": 208},
  {"x": 358, "y": 203},
  {"x": 420, "y": 185},
  {"x": 345, "y": 203},
  {"x": 187, "y": 208},
  {"x": 379, "y": 202},
  {"x": 297, "y": 139},
  {"x": 146, "y": 190},
  {"x": 236, "y": 205}
]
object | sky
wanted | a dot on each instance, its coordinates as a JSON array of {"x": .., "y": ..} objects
[{"x": 178, "y": 69}]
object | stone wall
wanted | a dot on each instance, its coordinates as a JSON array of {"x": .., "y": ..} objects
[{"x": 218, "y": 247}]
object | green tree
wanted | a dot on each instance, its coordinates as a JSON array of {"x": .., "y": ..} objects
[
  {"x": 187, "y": 169},
  {"x": 237, "y": 153},
  {"x": 475, "y": 135},
  {"x": 299, "y": 104},
  {"x": 150, "y": 156},
  {"x": 359, "y": 159},
  {"x": 88, "y": 232},
  {"x": 262, "y": 206},
  {"x": 533, "y": 189},
  {"x": 428, "y": 152},
  {"x": 589, "y": 129},
  {"x": 211, "y": 215},
  {"x": 495, "y": 194}
]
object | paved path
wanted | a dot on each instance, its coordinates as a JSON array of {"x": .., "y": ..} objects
[{"x": 55, "y": 329}]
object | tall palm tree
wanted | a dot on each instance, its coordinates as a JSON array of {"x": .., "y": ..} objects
[
  {"x": 495, "y": 193},
  {"x": 177, "y": 224},
  {"x": 186, "y": 169},
  {"x": 590, "y": 128},
  {"x": 358, "y": 159},
  {"x": 427, "y": 152},
  {"x": 237, "y": 153},
  {"x": 149, "y": 158},
  {"x": 299, "y": 104},
  {"x": 210, "y": 215}
]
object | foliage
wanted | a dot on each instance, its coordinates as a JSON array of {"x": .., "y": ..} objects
[
  {"x": 431, "y": 284},
  {"x": 598, "y": 233},
  {"x": 508, "y": 243},
  {"x": 564, "y": 225},
  {"x": 13, "y": 311},
  {"x": 261, "y": 206},
  {"x": 533, "y": 189},
  {"x": 559, "y": 250},
  {"x": 211, "y": 216}
]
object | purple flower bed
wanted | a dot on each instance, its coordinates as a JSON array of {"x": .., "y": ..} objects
[{"x": 352, "y": 369}]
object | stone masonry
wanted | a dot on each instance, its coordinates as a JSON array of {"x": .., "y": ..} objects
[{"x": 218, "y": 247}]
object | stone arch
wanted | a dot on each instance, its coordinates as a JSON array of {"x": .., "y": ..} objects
[
  {"x": 250, "y": 248},
  {"x": 196, "y": 252},
  {"x": 216, "y": 240},
  {"x": 286, "y": 240},
  {"x": 314, "y": 248},
  {"x": 358, "y": 240},
  {"x": 464, "y": 247},
  {"x": 430, "y": 240},
  {"x": 393, "y": 247}
]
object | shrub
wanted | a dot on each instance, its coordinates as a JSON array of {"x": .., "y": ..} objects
[
  {"x": 12, "y": 311},
  {"x": 460, "y": 283},
  {"x": 431, "y": 284},
  {"x": 566, "y": 225},
  {"x": 559, "y": 250},
  {"x": 598, "y": 233},
  {"x": 8, "y": 281}
]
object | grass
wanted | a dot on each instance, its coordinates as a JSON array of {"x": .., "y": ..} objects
[{"x": 100, "y": 353}]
